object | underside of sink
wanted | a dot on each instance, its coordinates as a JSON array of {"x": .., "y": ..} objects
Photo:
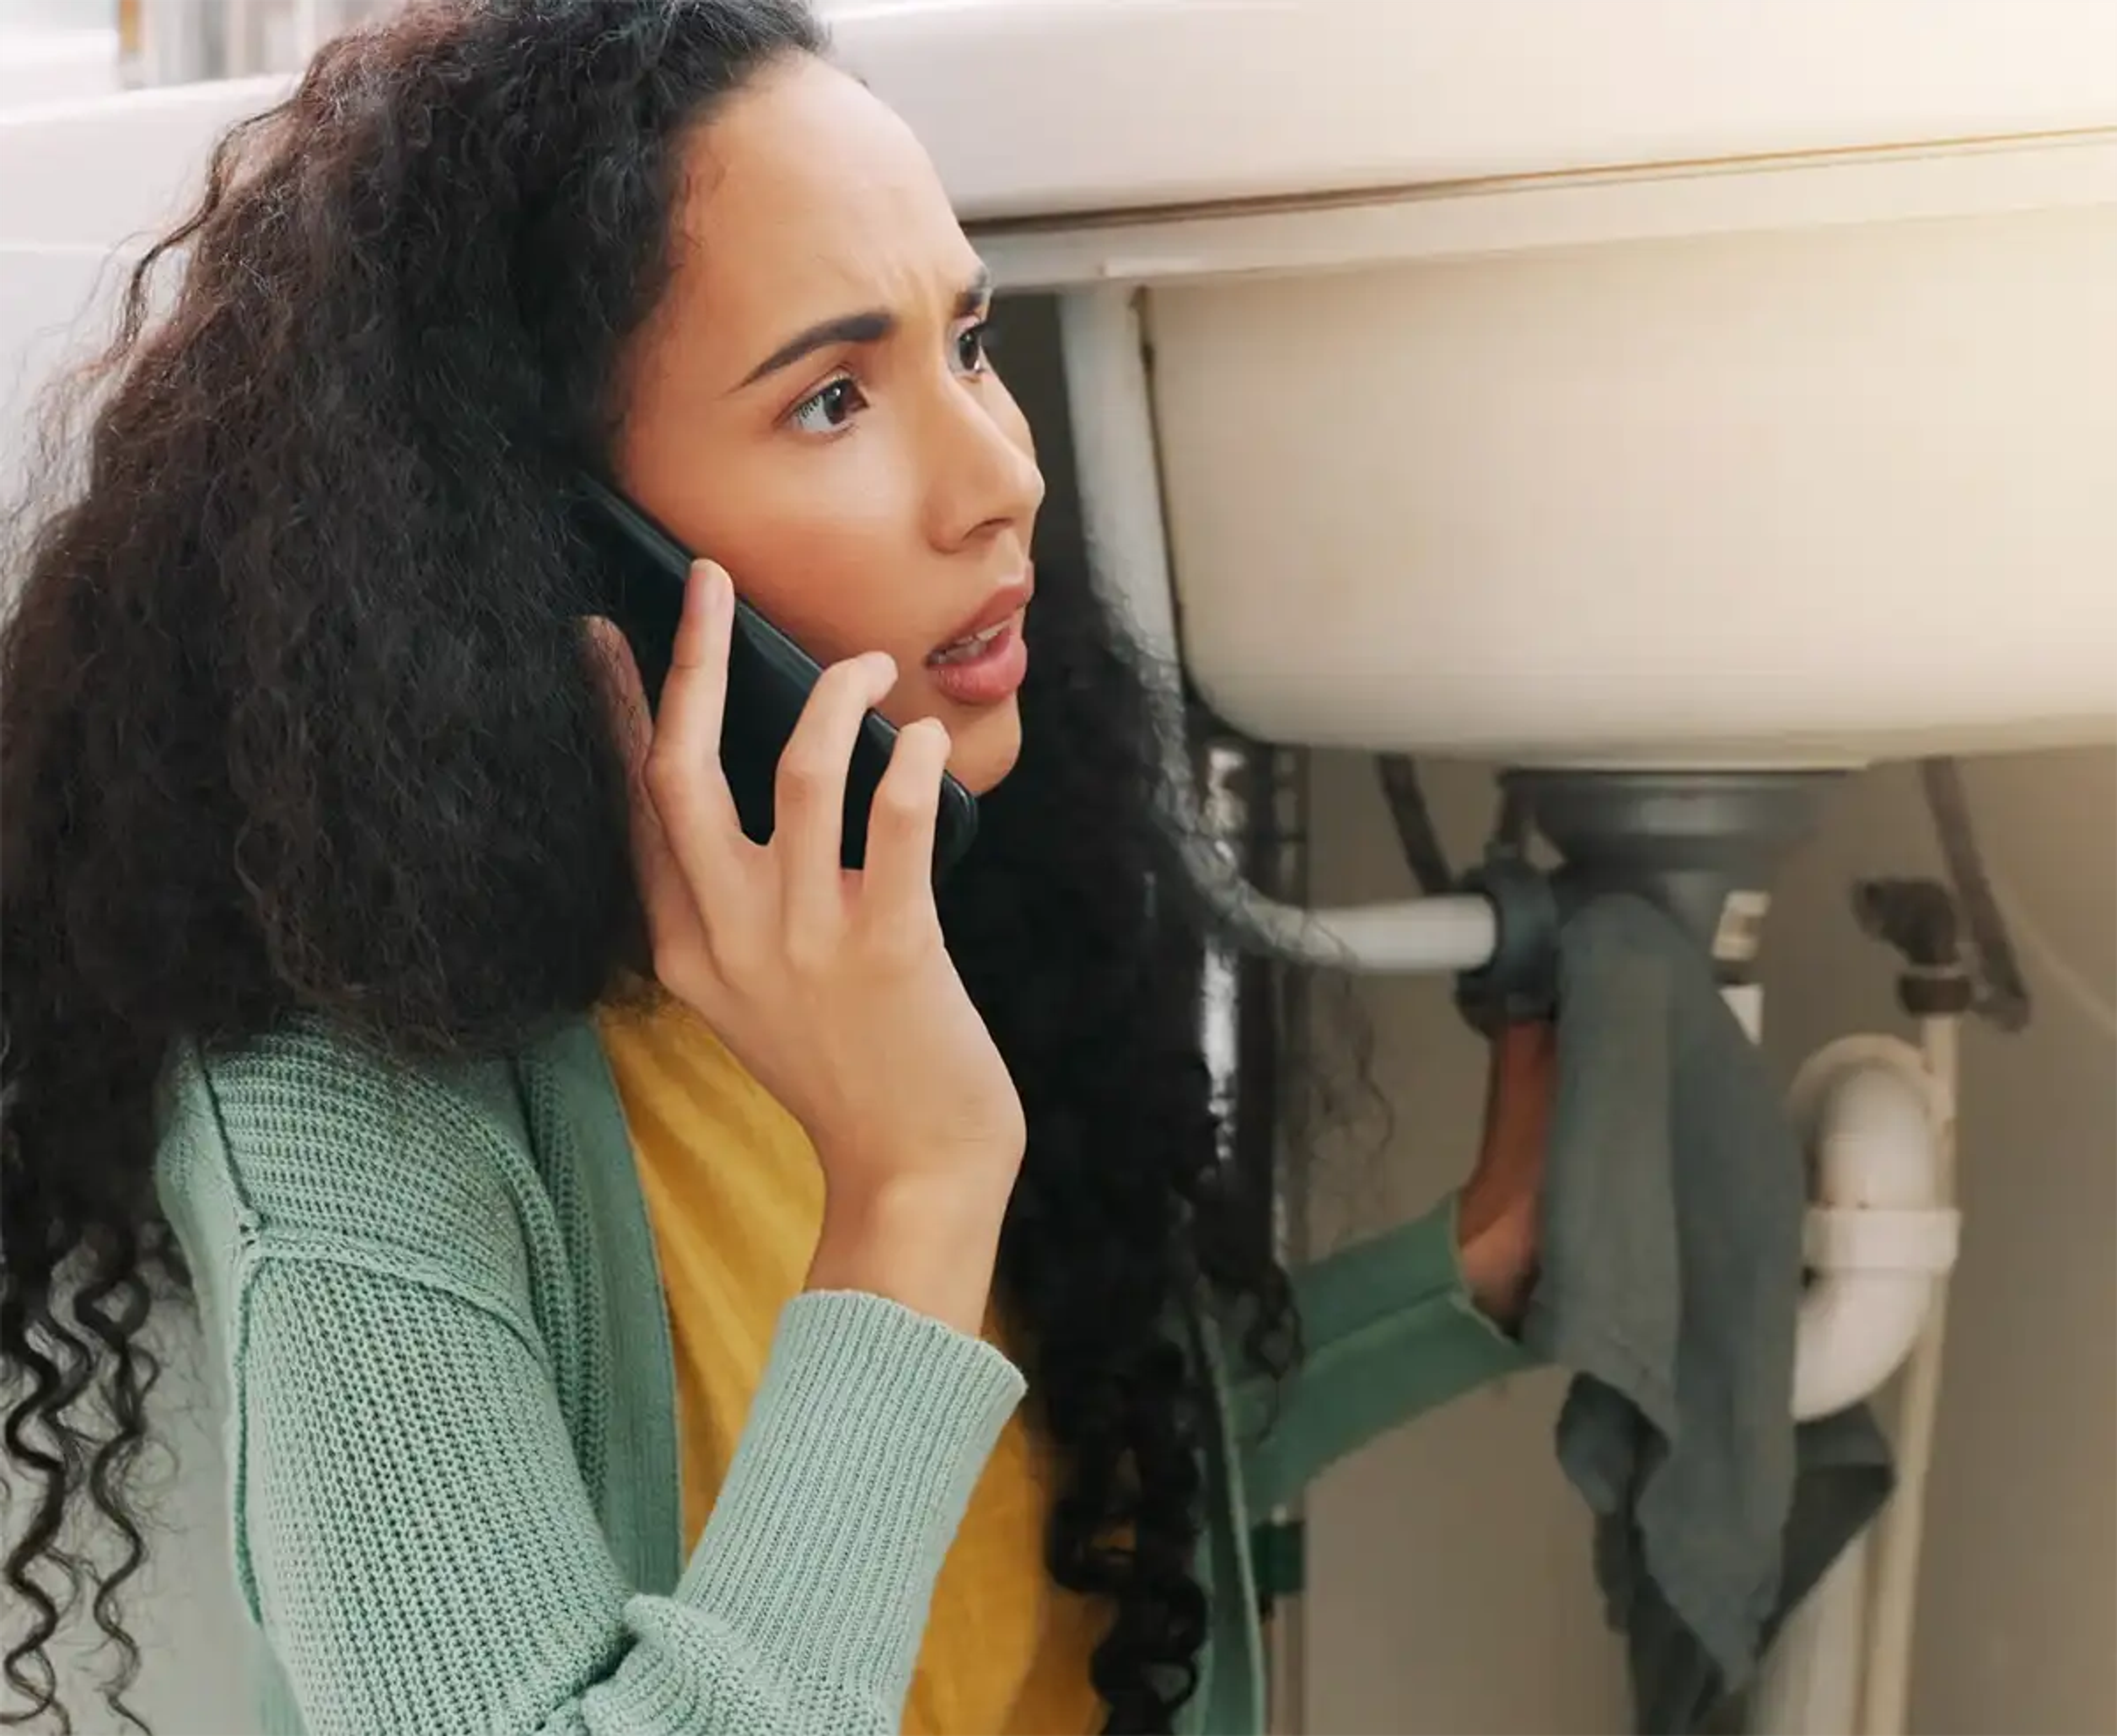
[{"x": 1814, "y": 496}]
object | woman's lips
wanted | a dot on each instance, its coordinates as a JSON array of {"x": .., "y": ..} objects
[{"x": 983, "y": 668}]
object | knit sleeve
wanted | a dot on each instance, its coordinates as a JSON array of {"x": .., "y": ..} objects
[
  {"x": 1389, "y": 1331},
  {"x": 412, "y": 1530},
  {"x": 423, "y": 1556}
]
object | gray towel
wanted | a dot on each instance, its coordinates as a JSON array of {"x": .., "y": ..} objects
[{"x": 1671, "y": 1273}]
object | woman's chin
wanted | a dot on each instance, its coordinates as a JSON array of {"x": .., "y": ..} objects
[{"x": 986, "y": 746}]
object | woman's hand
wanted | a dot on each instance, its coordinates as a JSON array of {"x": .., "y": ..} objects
[
  {"x": 1498, "y": 1216},
  {"x": 833, "y": 988}
]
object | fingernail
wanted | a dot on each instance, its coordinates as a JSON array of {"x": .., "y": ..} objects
[
  {"x": 884, "y": 666},
  {"x": 711, "y": 575}
]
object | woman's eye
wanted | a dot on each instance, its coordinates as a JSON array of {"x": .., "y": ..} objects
[
  {"x": 973, "y": 347},
  {"x": 829, "y": 410}
]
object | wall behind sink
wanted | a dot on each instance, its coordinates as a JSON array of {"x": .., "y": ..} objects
[{"x": 1449, "y": 1588}]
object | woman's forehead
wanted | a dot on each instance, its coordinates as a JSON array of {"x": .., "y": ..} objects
[{"x": 806, "y": 199}]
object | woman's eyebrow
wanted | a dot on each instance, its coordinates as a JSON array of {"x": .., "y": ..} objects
[{"x": 871, "y": 326}]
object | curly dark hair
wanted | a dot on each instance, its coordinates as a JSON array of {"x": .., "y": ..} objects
[{"x": 297, "y": 723}]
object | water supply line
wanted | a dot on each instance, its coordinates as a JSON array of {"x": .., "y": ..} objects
[
  {"x": 1900, "y": 1530},
  {"x": 1958, "y": 960},
  {"x": 1998, "y": 994}
]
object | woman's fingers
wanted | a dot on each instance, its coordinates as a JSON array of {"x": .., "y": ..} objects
[
  {"x": 682, "y": 774},
  {"x": 808, "y": 798},
  {"x": 697, "y": 869},
  {"x": 899, "y": 876}
]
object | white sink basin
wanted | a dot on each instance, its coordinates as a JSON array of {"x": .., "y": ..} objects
[
  {"x": 1640, "y": 381},
  {"x": 1817, "y": 494}
]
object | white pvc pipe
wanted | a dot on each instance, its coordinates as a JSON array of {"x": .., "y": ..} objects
[
  {"x": 1899, "y": 1531},
  {"x": 1881, "y": 1232},
  {"x": 1881, "y": 1227},
  {"x": 1411, "y": 937},
  {"x": 1119, "y": 469},
  {"x": 1809, "y": 1685},
  {"x": 1880, "y": 1236}
]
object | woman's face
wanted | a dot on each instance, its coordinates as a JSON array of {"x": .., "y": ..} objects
[{"x": 811, "y": 406}]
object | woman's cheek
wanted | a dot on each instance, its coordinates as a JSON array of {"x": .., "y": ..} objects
[
  {"x": 824, "y": 598},
  {"x": 826, "y": 545}
]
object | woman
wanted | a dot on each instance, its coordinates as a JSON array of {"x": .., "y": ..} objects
[{"x": 627, "y": 1248}]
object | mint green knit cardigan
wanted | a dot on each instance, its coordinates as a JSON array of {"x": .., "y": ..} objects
[{"x": 452, "y": 1429}]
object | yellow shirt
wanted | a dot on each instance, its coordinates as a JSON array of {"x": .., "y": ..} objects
[{"x": 735, "y": 1196}]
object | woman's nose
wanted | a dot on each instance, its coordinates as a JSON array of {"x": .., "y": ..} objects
[{"x": 985, "y": 473}]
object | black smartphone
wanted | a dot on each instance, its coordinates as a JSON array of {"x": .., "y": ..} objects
[{"x": 643, "y": 571}]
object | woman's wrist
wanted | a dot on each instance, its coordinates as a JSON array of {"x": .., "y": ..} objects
[
  {"x": 927, "y": 1248},
  {"x": 1497, "y": 1258},
  {"x": 1499, "y": 1215}
]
